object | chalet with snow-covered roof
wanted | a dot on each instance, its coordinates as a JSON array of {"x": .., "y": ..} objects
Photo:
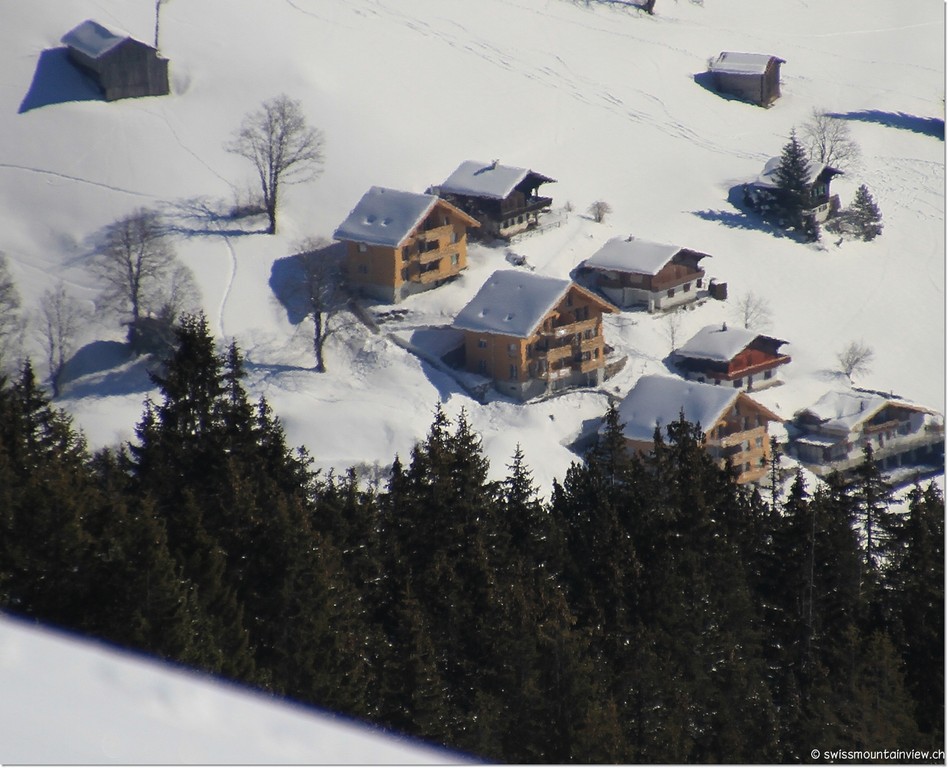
[
  {"x": 754, "y": 77},
  {"x": 534, "y": 334},
  {"x": 400, "y": 243},
  {"x": 123, "y": 67},
  {"x": 765, "y": 191},
  {"x": 735, "y": 426},
  {"x": 734, "y": 357},
  {"x": 504, "y": 199},
  {"x": 636, "y": 273},
  {"x": 833, "y": 432}
]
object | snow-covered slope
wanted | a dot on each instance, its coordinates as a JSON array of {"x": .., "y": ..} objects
[
  {"x": 604, "y": 99},
  {"x": 71, "y": 701}
]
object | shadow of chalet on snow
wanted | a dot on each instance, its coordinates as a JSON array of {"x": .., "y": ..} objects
[
  {"x": 929, "y": 126},
  {"x": 107, "y": 368},
  {"x": 57, "y": 80},
  {"x": 740, "y": 216}
]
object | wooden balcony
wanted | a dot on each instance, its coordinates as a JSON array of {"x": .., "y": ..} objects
[
  {"x": 569, "y": 328},
  {"x": 555, "y": 353}
]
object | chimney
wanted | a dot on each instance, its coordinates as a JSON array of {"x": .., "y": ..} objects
[
  {"x": 493, "y": 164},
  {"x": 724, "y": 326}
]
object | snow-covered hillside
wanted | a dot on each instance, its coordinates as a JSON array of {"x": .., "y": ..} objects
[
  {"x": 601, "y": 98},
  {"x": 71, "y": 701}
]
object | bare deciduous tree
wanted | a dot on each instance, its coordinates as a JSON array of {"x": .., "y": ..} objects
[
  {"x": 135, "y": 262},
  {"x": 60, "y": 318},
  {"x": 281, "y": 146},
  {"x": 599, "y": 210},
  {"x": 829, "y": 141},
  {"x": 320, "y": 291},
  {"x": 855, "y": 359},
  {"x": 753, "y": 311},
  {"x": 672, "y": 327}
]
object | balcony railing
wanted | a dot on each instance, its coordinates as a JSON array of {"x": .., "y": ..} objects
[{"x": 560, "y": 330}]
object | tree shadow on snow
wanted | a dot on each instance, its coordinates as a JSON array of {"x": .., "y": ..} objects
[
  {"x": 929, "y": 126},
  {"x": 288, "y": 278},
  {"x": 57, "y": 80},
  {"x": 204, "y": 217},
  {"x": 106, "y": 368}
]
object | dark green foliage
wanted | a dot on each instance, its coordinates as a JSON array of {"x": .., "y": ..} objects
[
  {"x": 864, "y": 216},
  {"x": 794, "y": 185},
  {"x": 651, "y": 611}
]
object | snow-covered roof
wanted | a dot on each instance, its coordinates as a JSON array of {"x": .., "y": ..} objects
[
  {"x": 717, "y": 342},
  {"x": 843, "y": 410},
  {"x": 479, "y": 179},
  {"x": 731, "y": 63},
  {"x": 767, "y": 177},
  {"x": 385, "y": 216},
  {"x": 632, "y": 255},
  {"x": 92, "y": 39},
  {"x": 662, "y": 399},
  {"x": 512, "y": 302}
]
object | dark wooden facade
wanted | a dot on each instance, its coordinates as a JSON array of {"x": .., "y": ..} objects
[
  {"x": 503, "y": 217},
  {"x": 750, "y": 77},
  {"x": 753, "y": 364},
  {"x": 126, "y": 69}
]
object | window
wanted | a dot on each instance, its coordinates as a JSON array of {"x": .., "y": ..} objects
[
  {"x": 768, "y": 374},
  {"x": 699, "y": 283},
  {"x": 760, "y": 442},
  {"x": 671, "y": 293},
  {"x": 513, "y": 372},
  {"x": 482, "y": 343},
  {"x": 569, "y": 299},
  {"x": 687, "y": 287},
  {"x": 596, "y": 353},
  {"x": 363, "y": 247},
  {"x": 482, "y": 366},
  {"x": 446, "y": 221},
  {"x": 512, "y": 349},
  {"x": 454, "y": 236},
  {"x": 363, "y": 269},
  {"x": 455, "y": 259},
  {"x": 738, "y": 383},
  {"x": 404, "y": 273}
]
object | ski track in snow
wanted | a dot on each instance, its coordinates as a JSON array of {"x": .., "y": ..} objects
[
  {"x": 230, "y": 284},
  {"x": 67, "y": 177}
]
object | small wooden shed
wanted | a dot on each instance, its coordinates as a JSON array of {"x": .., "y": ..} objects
[
  {"x": 754, "y": 77},
  {"x": 123, "y": 67}
]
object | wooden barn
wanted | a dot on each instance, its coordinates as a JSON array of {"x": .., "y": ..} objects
[
  {"x": 123, "y": 67},
  {"x": 754, "y": 77},
  {"x": 504, "y": 199},
  {"x": 400, "y": 243}
]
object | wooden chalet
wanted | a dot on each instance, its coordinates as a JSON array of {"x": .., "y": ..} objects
[
  {"x": 833, "y": 432},
  {"x": 534, "y": 334},
  {"x": 822, "y": 204},
  {"x": 123, "y": 67},
  {"x": 400, "y": 243},
  {"x": 636, "y": 273},
  {"x": 735, "y": 357},
  {"x": 754, "y": 77},
  {"x": 735, "y": 426},
  {"x": 505, "y": 200}
]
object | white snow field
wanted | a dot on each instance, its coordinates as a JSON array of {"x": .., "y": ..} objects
[
  {"x": 600, "y": 97},
  {"x": 74, "y": 702}
]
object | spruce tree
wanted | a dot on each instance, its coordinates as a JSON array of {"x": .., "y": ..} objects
[
  {"x": 864, "y": 215},
  {"x": 794, "y": 184}
]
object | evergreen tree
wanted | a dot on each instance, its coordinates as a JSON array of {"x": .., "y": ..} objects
[
  {"x": 864, "y": 215},
  {"x": 793, "y": 181}
]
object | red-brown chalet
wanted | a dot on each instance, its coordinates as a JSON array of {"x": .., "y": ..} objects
[{"x": 731, "y": 356}]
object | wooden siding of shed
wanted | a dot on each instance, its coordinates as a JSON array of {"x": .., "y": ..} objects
[
  {"x": 762, "y": 90},
  {"x": 130, "y": 70}
]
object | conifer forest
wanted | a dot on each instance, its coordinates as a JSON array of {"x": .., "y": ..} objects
[{"x": 650, "y": 611}]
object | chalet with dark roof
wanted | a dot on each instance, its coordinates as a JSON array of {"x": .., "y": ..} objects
[
  {"x": 765, "y": 190},
  {"x": 123, "y": 67},
  {"x": 504, "y": 199}
]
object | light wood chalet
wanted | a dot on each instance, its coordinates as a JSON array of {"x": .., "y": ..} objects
[
  {"x": 754, "y": 77},
  {"x": 734, "y": 357},
  {"x": 400, "y": 243},
  {"x": 504, "y": 199},
  {"x": 633, "y": 272},
  {"x": 122, "y": 66},
  {"x": 735, "y": 426},
  {"x": 533, "y": 334},
  {"x": 833, "y": 432}
]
